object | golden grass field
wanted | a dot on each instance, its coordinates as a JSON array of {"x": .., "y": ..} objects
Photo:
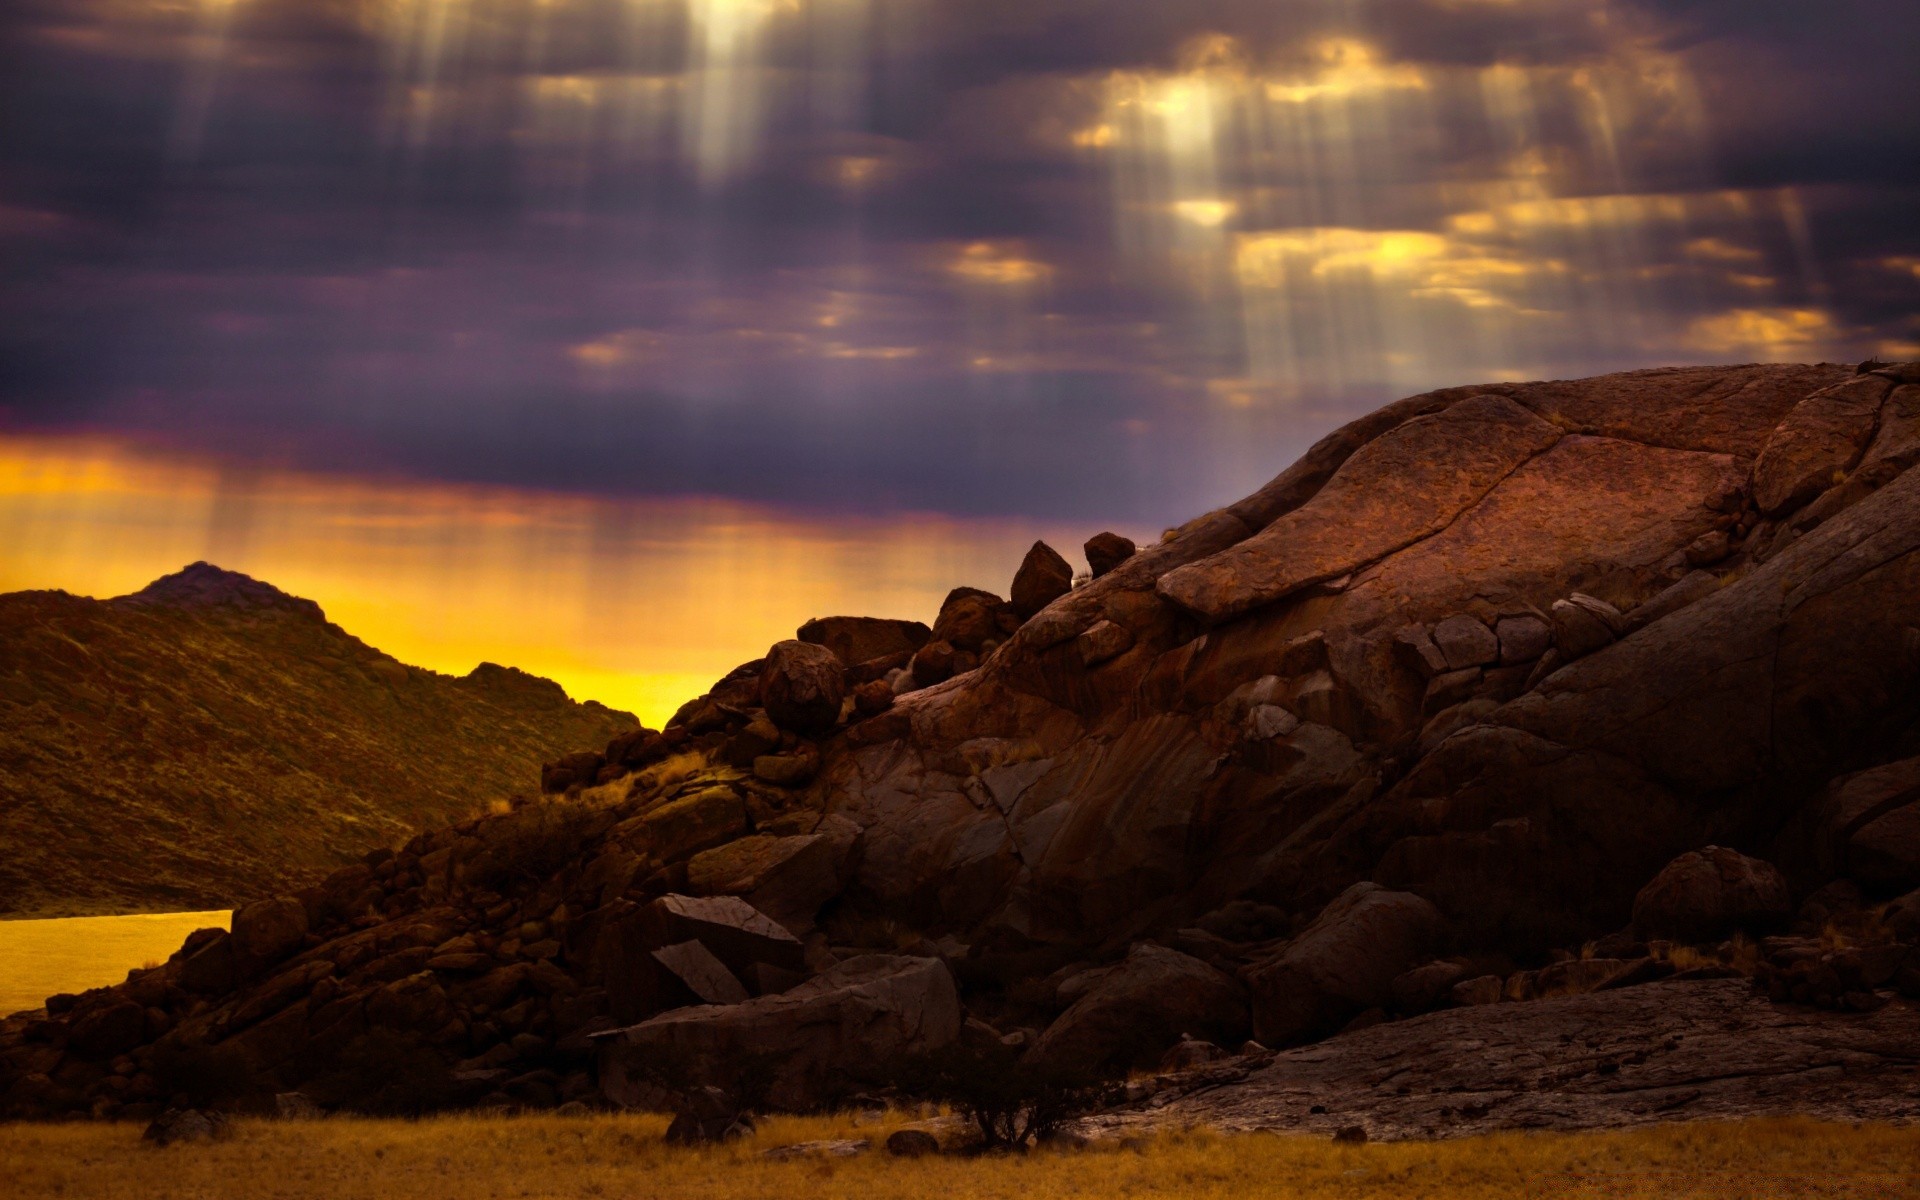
[
  {"x": 71, "y": 954},
  {"x": 532, "y": 1158}
]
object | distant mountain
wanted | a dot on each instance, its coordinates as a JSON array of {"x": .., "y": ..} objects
[{"x": 210, "y": 738}]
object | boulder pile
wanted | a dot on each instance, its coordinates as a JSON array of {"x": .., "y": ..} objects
[{"x": 1499, "y": 695}]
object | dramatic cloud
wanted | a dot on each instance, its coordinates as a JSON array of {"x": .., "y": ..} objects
[{"x": 1086, "y": 259}]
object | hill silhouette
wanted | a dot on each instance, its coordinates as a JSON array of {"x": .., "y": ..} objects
[{"x": 211, "y": 738}]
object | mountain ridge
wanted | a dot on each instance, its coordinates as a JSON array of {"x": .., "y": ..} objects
[{"x": 210, "y": 738}]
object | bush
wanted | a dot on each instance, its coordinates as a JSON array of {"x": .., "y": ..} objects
[{"x": 1012, "y": 1103}]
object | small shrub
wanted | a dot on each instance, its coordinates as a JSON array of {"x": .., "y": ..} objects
[{"x": 1011, "y": 1103}]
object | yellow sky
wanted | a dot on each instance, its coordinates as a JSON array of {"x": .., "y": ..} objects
[{"x": 637, "y": 603}]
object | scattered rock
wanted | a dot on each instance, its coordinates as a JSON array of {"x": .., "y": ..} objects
[
  {"x": 912, "y": 1143},
  {"x": 1105, "y": 551},
  {"x": 707, "y": 1115},
  {"x": 1414, "y": 647},
  {"x": 1351, "y": 1135},
  {"x": 178, "y": 1126},
  {"x": 831, "y": 1148},
  {"x": 1043, "y": 577},
  {"x": 1188, "y": 1053},
  {"x": 803, "y": 686}
]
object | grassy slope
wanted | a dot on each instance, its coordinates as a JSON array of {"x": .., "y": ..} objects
[
  {"x": 191, "y": 757},
  {"x": 481, "y": 1158}
]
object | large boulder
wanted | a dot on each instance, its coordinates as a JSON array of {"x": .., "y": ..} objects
[
  {"x": 269, "y": 930},
  {"x": 1133, "y": 1012},
  {"x": 684, "y": 827},
  {"x": 1106, "y": 551},
  {"x": 1343, "y": 963},
  {"x": 1870, "y": 827},
  {"x": 1708, "y": 893},
  {"x": 802, "y": 686},
  {"x": 1043, "y": 577},
  {"x": 855, "y": 640},
  {"x": 849, "y": 1026},
  {"x": 787, "y": 878},
  {"x": 970, "y": 618}
]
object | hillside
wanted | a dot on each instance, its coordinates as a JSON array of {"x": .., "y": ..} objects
[
  {"x": 1574, "y": 726},
  {"x": 210, "y": 739}
]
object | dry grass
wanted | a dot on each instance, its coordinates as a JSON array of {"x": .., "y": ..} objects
[
  {"x": 72, "y": 954},
  {"x": 472, "y": 1158}
]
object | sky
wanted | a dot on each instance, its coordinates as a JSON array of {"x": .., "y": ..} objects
[{"x": 916, "y": 279}]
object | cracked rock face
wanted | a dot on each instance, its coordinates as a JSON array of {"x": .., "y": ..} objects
[{"x": 1488, "y": 722}]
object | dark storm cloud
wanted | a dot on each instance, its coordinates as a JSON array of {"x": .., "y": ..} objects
[{"x": 916, "y": 259}]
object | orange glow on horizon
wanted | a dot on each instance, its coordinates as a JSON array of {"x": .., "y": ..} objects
[{"x": 637, "y": 603}]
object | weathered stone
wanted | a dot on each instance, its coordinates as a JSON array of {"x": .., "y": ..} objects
[
  {"x": 1188, "y": 1053},
  {"x": 688, "y": 973},
  {"x": 1132, "y": 1013},
  {"x": 1708, "y": 893},
  {"x": 1582, "y": 624},
  {"x": 1427, "y": 987},
  {"x": 1482, "y": 989},
  {"x": 932, "y": 664},
  {"x": 788, "y": 878},
  {"x": 109, "y": 1029},
  {"x": 1884, "y": 853},
  {"x": 802, "y": 687},
  {"x": 1344, "y": 962},
  {"x": 1708, "y": 1050},
  {"x": 1819, "y": 440},
  {"x": 872, "y": 698},
  {"x": 209, "y": 967},
  {"x": 738, "y": 933},
  {"x": 855, "y": 1021},
  {"x": 1709, "y": 548},
  {"x": 1414, "y": 647},
  {"x": 684, "y": 827},
  {"x": 269, "y": 930},
  {"x": 1402, "y": 486},
  {"x": 969, "y": 618},
  {"x": 824, "y": 1148},
  {"x": 1103, "y": 642},
  {"x": 787, "y": 770},
  {"x": 855, "y": 640},
  {"x": 1465, "y": 641},
  {"x": 1105, "y": 551},
  {"x": 186, "y": 1125},
  {"x": 1268, "y": 721},
  {"x": 912, "y": 1143},
  {"x": 1043, "y": 577},
  {"x": 1454, "y": 687},
  {"x": 1522, "y": 639}
]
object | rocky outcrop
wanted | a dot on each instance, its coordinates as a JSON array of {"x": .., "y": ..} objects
[{"x": 1422, "y": 725}]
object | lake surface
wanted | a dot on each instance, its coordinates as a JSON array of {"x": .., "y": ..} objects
[{"x": 71, "y": 954}]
